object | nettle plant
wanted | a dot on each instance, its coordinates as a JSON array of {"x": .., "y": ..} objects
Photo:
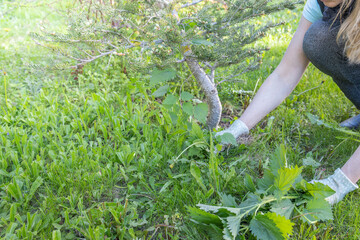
[
  {"x": 270, "y": 208},
  {"x": 161, "y": 37}
]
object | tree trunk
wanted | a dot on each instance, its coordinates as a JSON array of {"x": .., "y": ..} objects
[{"x": 210, "y": 91}]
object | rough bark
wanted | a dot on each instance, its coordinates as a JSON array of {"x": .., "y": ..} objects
[{"x": 210, "y": 92}]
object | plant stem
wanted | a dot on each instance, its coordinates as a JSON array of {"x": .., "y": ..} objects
[
  {"x": 271, "y": 200},
  {"x": 186, "y": 150},
  {"x": 304, "y": 215}
]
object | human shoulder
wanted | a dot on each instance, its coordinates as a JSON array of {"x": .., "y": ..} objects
[{"x": 312, "y": 11}]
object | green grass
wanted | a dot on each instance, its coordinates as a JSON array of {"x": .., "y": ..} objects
[{"x": 99, "y": 156}]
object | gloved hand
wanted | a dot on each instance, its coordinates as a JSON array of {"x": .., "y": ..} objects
[
  {"x": 340, "y": 183},
  {"x": 237, "y": 129}
]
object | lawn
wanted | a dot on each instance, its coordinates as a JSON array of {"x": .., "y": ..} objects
[{"x": 95, "y": 155}]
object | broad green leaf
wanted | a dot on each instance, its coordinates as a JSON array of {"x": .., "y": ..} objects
[
  {"x": 230, "y": 175},
  {"x": 319, "y": 190},
  {"x": 202, "y": 42},
  {"x": 228, "y": 200},
  {"x": 301, "y": 185},
  {"x": 161, "y": 91},
  {"x": 283, "y": 208},
  {"x": 233, "y": 224},
  {"x": 285, "y": 179},
  {"x": 201, "y": 111},
  {"x": 320, "y": 209},
  {"x": 227, "y": 234},
  {"x": 196, "y": 130},
  {"x": 264, "y": 228},
  {"x": 218, "y": 147},
  {"x": 196, "y": 173},
  {"x": 158, "y": 76},
  {"x": 285, "y": 225},
  {"x": 186, "y": 96},
  {"x": 228, "y": 138},
  {"x": 174, "y": 118},
  {"x": 278, "y": 160},
  {"x": 56, "y": 235},
  {"x": 188, "y": 108},
  {"x": 214, "y": 232},
  {"x": 201, "y": 216},
  {"x": 249, "y": 184},
  {"x": 267, "y": 181},
  {"x": 309, "y": 161},
  {"x": 170, "y": 100}
]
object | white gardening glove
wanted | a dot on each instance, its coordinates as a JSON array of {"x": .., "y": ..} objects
[
  {"x": 340, "y": 183},
  {"x": 237, "y": 129}
]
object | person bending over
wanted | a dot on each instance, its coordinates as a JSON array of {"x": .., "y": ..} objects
[{"x": 328, "y": 35}]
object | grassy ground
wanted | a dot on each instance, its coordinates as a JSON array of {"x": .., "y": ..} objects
[{"x": 99, "y": 156}]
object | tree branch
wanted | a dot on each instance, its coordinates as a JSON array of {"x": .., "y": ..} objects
[{"x": 210, "y": 92}]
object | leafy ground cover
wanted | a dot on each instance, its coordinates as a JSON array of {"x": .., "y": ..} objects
[
  {"x": 96, "y": 155},
  {"x": 281, "y": 196}
]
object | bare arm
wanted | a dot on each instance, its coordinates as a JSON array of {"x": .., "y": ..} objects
[
  {"x": 282, "y": 81},
  {"x": 352, "y": 167},
  {"x": 276, "y": 88}
]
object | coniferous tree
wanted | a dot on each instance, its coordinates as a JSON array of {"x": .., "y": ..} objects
[{"x": 204, "y": 34}]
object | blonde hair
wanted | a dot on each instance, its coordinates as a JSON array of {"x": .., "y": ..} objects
[{"x": 349, "y": 32}]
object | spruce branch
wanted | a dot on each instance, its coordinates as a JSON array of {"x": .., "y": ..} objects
[{"x": 214, "y": 37}]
